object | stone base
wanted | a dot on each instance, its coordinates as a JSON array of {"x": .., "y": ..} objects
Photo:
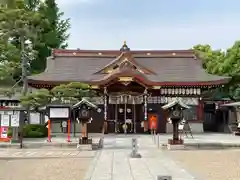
[
  {"x": 175, "y": 142},
  {"x": 4, "y": 140},
  {"x": 175, "y": 146},
  {"x": 135, "y": 155},
  {"x": 237, "y": 133},
  {"x": 84, "y": 147},
  {"x": 15, "y": 141},
  {"x": 85, "y": 140}
]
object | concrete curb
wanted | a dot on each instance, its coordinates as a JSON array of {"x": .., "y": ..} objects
[
  {"x": 44, "y": 145},
  {"x": 192, "y": 146}
]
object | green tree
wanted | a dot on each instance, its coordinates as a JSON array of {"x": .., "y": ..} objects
[
  {"x": 231, "y": 67},
  {"x": 36, "y": 99},
  {"x": 25, "y": 26},
  {"x": 211, "y": 58},
  {"x": 72, "y": 92},
  {"x": 53, "y": 36},
  {"x": 224, "y": 64}
]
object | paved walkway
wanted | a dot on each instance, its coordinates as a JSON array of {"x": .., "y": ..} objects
[
  {"x": 48, "y": 164},
  {"x": 49, "y": 153},
  {"x": 114, "y": 163}
]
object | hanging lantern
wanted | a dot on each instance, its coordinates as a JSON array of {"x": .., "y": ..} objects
[
  {"x": 191, "y": 91},
  {"x": 187, "y": 91},
  {"x": 176, "y": 91},
  {"x": 198, "y": 91},
  {"x": 183, "y": 91},
  {"x": 162, "y": 91},
  {"x": 173, "y": 91},
  {"x": 165, "y": 91},
  {"x": 194, "y": 91},
  {"x": 179, "y": 91},
  {"x": 129, "y": 110},
  {"x": 120, "y": 110},
  {"x": 169, "y": 91}
]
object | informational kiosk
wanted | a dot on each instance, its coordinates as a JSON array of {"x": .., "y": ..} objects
[
  {"x": 12, "y": 118},
  {"x": 175, "y": 110},
  {"x": 82, "y": 112},
  {"x": 59, "y": 112}
]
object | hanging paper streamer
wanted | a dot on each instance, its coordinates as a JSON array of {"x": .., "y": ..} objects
[
  {"x": 105, "y": 103},
  {"x": 145, "y": 104}
]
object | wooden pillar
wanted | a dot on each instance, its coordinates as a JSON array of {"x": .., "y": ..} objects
[
  {"x": 200, "y": 110},
  {"x": 116, "y": 115},
  {"x": 84, "y": 129},
  {"x": 134, "y": 115}
]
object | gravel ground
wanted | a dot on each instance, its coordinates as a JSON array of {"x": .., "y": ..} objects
[
  {"x": 63, "y": 167},
  {"x": 210, "y": 164}
]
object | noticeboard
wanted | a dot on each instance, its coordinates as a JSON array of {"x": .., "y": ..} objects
[
  {"x": 59, "y": 112},
  {"x": 15, "y": 120},
  {"x": 5, "y": 120}
]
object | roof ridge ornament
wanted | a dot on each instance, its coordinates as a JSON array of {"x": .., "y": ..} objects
[{"x": 125, "y": 47}]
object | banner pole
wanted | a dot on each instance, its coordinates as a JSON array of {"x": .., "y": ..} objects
[
  {"x": 49, "y": 130},
  {"x": 69, "y": 131}
]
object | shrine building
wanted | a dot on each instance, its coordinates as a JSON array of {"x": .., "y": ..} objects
[{"x": 133, "y": 85}]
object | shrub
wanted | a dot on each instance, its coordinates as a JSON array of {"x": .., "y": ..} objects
[
  {"x": 32, "y": 131},
  {"x": 35, "y": 134}
]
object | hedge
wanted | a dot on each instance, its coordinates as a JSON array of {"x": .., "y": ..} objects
[{"x": 32, "y": 131}]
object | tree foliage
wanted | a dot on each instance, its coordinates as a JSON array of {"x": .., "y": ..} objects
[
  {"x": 72, "y": 92},
  {"x": 53, "y": 36},
  {"x": 223, "y": 63},
  {"x": 37, "y": 21}
]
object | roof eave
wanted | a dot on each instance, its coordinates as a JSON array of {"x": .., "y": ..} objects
[{"x": 146, "y": 81}]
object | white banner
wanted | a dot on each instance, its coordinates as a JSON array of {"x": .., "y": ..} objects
[
  {"x": 5, "y": 120},
  {"x": 34, "y": 118},
  {"x": 15, "y": 120}
]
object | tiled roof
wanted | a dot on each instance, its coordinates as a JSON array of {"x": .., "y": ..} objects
[{"x": 169, "y": 67}]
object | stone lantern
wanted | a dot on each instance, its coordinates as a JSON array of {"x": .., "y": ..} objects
[
  {"x": 175, "y": 110},
  {"x": 82, "y": 111}
]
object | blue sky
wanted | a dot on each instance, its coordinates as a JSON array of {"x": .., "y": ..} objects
[{"x": 152, "y": 24}]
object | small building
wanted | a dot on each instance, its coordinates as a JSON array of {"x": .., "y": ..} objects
[
  {"x": 13, "y": 101},
  {"x": 133, "y": 85}
]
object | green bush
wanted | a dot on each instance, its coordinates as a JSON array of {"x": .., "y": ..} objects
[
  {"x": 32, "y": 131},
  {"x": 35, "y": 134},
  {"x": 9, "y": 133}
]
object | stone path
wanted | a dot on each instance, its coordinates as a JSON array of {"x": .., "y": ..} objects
[
  {"x": 36, "y": 153},
  {"x": 44, "y": 164},
  {"x": 114, "y": 163},
  {"x": 210, "y": 164}
]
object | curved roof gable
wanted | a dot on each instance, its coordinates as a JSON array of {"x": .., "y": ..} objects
[{"x": 122, "y": 58}]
